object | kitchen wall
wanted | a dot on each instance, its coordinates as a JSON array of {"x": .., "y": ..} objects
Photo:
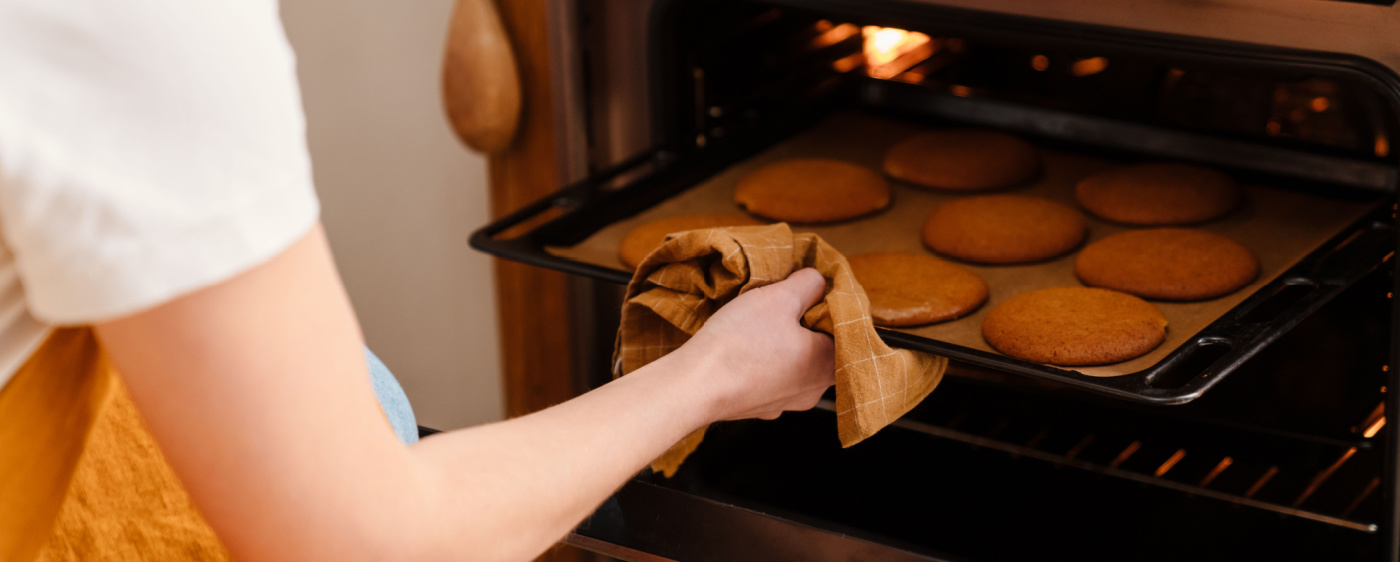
[{"x": 399, "y": 197}]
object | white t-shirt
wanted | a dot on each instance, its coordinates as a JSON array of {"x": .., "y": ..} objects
[{"x": 148, "y": 148}]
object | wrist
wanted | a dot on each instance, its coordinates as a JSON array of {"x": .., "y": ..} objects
[{"x": 689, "y": 378}]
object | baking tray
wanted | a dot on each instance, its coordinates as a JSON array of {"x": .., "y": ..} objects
[{"x": 1310, "y": 248}]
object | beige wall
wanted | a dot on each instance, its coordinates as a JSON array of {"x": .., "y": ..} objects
[{"x": 399, "y": 197}]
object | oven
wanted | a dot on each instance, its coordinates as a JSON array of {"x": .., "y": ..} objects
[{"x": 1260, "y": 435}]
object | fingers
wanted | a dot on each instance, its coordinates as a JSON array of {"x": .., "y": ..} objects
[
  {"x": 806, "y": 286},
  {"x": 825, "y": 348}
]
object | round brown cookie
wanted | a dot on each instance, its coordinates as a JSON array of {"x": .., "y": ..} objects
[
  {"x": 1072, "y": 326},
  {"x": 812, "y": 190},
  {"x": 963, "y": 159},
  {"x": 640, "y": 242},
  {"x": 913, "y": 289},
  {"x": 1167, "y": 263},
  {"x": 1004, "y": 229},
  {"x": 1159, "y": 193}
]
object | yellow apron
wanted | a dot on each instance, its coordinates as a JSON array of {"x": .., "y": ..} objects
[{"x": 80, "y": 477}]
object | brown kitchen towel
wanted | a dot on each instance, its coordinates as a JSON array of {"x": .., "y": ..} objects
[{"x": 694, "y": 273}]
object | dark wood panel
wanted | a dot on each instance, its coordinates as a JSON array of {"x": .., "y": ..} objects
[{"x": 534, "y": 305}]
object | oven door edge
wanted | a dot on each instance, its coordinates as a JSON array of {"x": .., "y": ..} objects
[{"x": 644, "y": 522}]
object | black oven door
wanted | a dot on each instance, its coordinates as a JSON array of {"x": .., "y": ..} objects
[
  {"x": 785, "y": 490},
  {"x": 1270, "y": 466}
]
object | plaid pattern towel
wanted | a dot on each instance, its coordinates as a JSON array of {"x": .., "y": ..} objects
[{"x": 694, "y": 273}]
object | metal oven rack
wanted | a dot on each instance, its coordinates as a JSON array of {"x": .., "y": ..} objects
[{"x": 1215, "y": 472}]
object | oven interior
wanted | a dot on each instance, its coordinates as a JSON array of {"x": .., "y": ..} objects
[
  {"x": 724, "y": 68},
  {"x": 1284, "y": 460},
  {"x": 1275, "y": 465}
]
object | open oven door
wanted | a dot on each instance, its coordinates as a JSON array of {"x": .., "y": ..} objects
[{"x": 982, "y": 473}]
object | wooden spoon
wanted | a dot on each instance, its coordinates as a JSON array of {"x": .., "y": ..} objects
[{"x": 480, "y": 83}]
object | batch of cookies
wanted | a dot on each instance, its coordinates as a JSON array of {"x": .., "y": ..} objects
[{"x": 1106, "y": 320}]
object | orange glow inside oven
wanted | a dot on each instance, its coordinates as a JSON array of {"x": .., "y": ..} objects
[
  {"x": 889, "y": 51},
  {"x": 1374, "y": 428},
  {"x": 1088, "y": 67},
  {"x": 833, "y": 34}
]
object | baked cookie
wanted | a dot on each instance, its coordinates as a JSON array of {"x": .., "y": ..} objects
[
  {"x": 812, "y": 190},
  {"x": 647, "y": 237},
  {"x": 1177, "y": 264},
  {"x": 913, "y": 289},
  {"x": 963, "y": 159},
  {"x": 1073, "y": 326},
  {"x": 1159, "y": 194},
  {"x": 1004, "y": 229}
]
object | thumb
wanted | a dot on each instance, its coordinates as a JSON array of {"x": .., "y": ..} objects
[{"x": 805, "y": 286}]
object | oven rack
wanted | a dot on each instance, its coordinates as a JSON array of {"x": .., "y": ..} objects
[
  {"x": 1186, "y": 373},
  {"x": 1246, "y": 480}
]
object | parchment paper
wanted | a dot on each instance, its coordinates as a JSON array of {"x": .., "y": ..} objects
[{"x": 1280, "y": 226}]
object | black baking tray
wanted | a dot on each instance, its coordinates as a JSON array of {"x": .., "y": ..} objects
[{"x": 576, "y": 212}]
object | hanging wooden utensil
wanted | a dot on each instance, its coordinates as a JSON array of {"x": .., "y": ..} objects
[{"x": 480, "y": 83}]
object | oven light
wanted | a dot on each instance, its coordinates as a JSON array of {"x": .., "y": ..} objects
[
  {"x": 1273, "y": 127},
  {"x": 1086, "y": 67},
  {"x": 884, "y": 44},
  {"x": 889, "y": 51},
  {"x": 1382, "y": 146},
  {"x": 1040, "y": 62},
  {"x": 1320, "y": 104}
]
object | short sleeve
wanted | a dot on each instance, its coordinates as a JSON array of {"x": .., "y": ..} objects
[{"x": 148, "y": 148}]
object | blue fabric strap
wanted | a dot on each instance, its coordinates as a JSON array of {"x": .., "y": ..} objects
[{"x": 392, "y": 399}]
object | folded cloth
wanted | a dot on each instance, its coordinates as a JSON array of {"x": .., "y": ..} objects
[{"x": 683, "y": 282}]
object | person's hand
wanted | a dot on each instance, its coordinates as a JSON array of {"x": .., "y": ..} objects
[{"x": 754, "y": 360}]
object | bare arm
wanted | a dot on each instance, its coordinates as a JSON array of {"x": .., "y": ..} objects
[{"x": 258, "y": 393}]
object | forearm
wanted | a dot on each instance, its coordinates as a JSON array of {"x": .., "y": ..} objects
[
  {"x": 256, "y": 390},
  {"x": 509, "y": 490}
]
